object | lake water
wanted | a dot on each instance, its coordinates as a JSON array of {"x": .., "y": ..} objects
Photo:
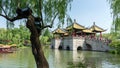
[{"x": 23, "y": 58}]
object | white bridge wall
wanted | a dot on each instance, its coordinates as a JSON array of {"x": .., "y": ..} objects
[{"x": 74, "y": 42}]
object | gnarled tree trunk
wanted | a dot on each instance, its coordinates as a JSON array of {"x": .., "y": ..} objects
[{"x": 36, "y": 45}]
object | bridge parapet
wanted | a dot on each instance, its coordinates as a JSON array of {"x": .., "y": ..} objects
[
  {"x": 101, "y": 40},
  {"x": 98, "y": 44}
]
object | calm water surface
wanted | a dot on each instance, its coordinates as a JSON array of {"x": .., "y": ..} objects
[{"x": 23, "y": 58}]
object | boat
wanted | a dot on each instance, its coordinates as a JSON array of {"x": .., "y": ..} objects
[{"x": 6, "y": 49}]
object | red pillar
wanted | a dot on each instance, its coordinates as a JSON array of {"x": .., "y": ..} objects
[
  {"x": 84, "y": 34},
  {"x": 100, "y": 35},
  {"x": 81, "y": 33},
  {"x": 94, "y": 35},
  {"x": 73, "y": 34},
  {"x": 91, "y": 36}
]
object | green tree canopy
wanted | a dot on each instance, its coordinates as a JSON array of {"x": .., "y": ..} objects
[
  {"x": 48, "y": 10},
  {"x": 115, "y": 6}
]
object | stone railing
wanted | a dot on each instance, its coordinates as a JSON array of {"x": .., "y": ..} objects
[{"x": 97, "y": 39}]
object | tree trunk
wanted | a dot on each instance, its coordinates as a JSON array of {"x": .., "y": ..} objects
[{"x": 37, "y": 51}]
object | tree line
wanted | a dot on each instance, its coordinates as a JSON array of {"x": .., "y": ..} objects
[{"x": 21, "y": 36}]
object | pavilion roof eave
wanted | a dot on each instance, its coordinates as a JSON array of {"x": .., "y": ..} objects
[
  {"x": 58, "y": 31},
  {"x": 96, "y": 28},
  {"x": 98, "y": 31},
  {"x": 88, "y": 31},
  {"x": 75, "y": 26}
]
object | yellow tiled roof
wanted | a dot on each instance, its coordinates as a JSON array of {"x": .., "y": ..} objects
[
  {"x": 88, "y": 31},
  {"x": 66, "y": 33},
  {"x": 75, "y": 26},
  {"x": 58, "y": 30},
  {"x": 96, "y": 28}
]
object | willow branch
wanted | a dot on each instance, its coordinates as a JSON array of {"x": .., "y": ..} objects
[
  {"x": 3, "y": 10},
  {"x": 6, "y": 16},
  {"x": 11, "y": 19},
  {"x": 50, "y": 26},
  {"x": 53, "y": 19},
  {"x": 40, "y": 5}
]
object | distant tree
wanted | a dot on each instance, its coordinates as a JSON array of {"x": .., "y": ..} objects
[
  {"x": 115, "y": 6},
  {"x": 43, "y": 12},
  {"x": 46, "y": 37},
  {"x": 115, "y": 30}
]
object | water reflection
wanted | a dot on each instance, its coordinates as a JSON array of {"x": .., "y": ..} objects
[
  {"x": 23, "y": 58},
  {"x": 19, "y": 59},
  {"x": 60, "y": 59}
]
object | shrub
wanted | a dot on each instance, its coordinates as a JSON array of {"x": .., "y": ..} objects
[{"x": 116, "y": 45}]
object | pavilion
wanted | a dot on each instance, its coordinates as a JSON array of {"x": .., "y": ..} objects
[
  {"x": 97, "y": 29},
  {"x": 76, "y": 29}
]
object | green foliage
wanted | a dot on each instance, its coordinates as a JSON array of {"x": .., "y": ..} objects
[
  {"x": 46, "y": 37},
  {"x": 115, "y": 6},
  {"x": 112, "y": 36},
  {"x": 51, "y": 7},
  {"x": 47, "y": 9},
  {"x": 21, "y": 36},
  {"x": 14, "y": 36},
  {"x": 115, "y": 44}
]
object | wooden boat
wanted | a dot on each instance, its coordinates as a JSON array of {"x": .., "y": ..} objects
[{"x": 6, "y": 49}]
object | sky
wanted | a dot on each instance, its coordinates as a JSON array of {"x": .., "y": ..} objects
[{"x": 86, "y": 12}]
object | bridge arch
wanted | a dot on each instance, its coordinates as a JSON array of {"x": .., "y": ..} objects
[
  {"x": 67, "y": 48},
  {"x": 89, "y": 47},
  {"x": 79, "y": 48},
  {"x": 52, "y": 47},
  {"x": 60, "y": 47}
]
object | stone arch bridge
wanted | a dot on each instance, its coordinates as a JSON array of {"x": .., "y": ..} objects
[{"x": 80, "y": 43}]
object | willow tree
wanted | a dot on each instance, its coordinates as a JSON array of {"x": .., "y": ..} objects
[
  {"x": 115, "y": 6},
  {"x": 43, "y": 12}
]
